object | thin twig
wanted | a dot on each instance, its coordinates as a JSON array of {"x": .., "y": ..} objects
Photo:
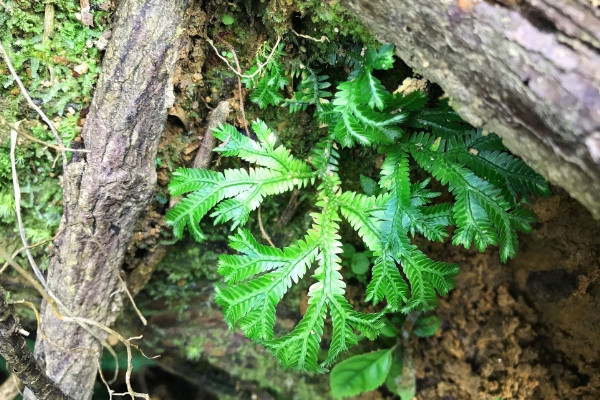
[
  {"x": 262, "y": 229},
  {"x": 32, "y": 246},
  {"x": 34, "y": 106},
  {"x": 215, "y": 117},
  {"x": 10, "y": 389},
  {"x": 48, "y": 22},
  {"x": 260, "y": 65},
  {"x": 17, "y": 191},
  {"x": 21, "y": 132},
  {"x": 322, "y": 40},
  {"x": 6, "y": 7},
  {"x": 237, "y": 64},
  {"x": 82, "y": 322}
]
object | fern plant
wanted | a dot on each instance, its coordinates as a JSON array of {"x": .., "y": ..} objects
[
  {"x": 487, "y": 184},
  {"x": 271, "y": 80}
]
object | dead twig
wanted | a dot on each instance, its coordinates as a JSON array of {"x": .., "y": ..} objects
[
  {"x": 17, "y": 195},
  {"x": 260, "y": 65},
  {"x": 48, "y": 21},
  {"x": 321, "y": 40},
  {"x": 262, "y": 229},
  {"x": 237, "y": 64},
  {"x": 289, "y": 210},
  {"x": 21, "y": 132}
]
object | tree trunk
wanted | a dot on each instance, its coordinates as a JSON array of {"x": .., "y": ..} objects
[
  {"x": 107, "y": 190},
  {"x": 527, "y": 70}
]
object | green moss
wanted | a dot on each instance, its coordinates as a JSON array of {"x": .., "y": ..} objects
[{"x": 59, "y": 74}]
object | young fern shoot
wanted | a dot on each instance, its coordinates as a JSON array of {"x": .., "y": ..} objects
[{"x": 487, "y": 184}]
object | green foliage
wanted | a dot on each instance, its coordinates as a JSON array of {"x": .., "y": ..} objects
[
  {"x": 413, "y": 141},
  {"x": 361, "y": 373},
  {"x": 426, "y": 326},
  {"x": 310, "y": 91},
  {"x": 270, "y": 80}
]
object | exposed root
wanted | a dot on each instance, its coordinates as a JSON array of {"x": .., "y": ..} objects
[{"x": 260, "y": 65}]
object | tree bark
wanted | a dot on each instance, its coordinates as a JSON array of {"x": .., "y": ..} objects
[
  {"x": 18, "y": 356},
  {"x": 107, "y": 190},
  {"x": 527, "y": 70}
]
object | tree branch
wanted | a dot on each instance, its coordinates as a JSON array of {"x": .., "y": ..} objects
[{"x": 14, "y": 349}]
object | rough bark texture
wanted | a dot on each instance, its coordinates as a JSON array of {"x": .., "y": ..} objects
[
  {"x": 528, "y": 70},
  {"x": 14, "y": 350},
  {"x": 106, "y": 191}
]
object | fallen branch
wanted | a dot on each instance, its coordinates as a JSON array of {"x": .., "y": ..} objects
[{"x": 216, "y": 117}]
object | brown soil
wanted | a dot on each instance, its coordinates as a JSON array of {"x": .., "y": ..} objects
[{"x": 526, "y": 330}]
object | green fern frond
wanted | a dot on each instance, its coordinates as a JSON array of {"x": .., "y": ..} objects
[
  {"x": 187, "y": 180},
  {"x": 387, "y": 283},
  {"x": 485, "y": 181},
  {"x": 371, "y": 88},
  {"x": 354, "y": 118},
  {"x": 481, "y": 213},
  {"x": 502, "y": 169},
  {"x": 433, "y": 221},
  {"x": 310, "y": 91},
  {"x": 442, "y": 121},
  {"x": 413, "y": 101},
  {"x": 244, "y": 190},
  {"x": 270, "y": 82},
  {"x": 361, "y": 212},
  {"x": 426, "y": 277},
  {"x": 262, "y": 152},
  {"x": 251, "y": 304}
]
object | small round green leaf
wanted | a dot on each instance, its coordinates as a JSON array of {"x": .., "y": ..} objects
[
  {"x": 227, "y": 19},
  {"x": 426, "y": 326},
  {"x": 388, "y": 330},
  {"x": 360, "y": 374},
  {"x": 369, "y": 186},
  {"x": 347, "y": 250},
  {"x": 360, "y": 263}
]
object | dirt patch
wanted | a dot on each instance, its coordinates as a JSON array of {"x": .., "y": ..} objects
[{"x": 526, "y": 330}]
